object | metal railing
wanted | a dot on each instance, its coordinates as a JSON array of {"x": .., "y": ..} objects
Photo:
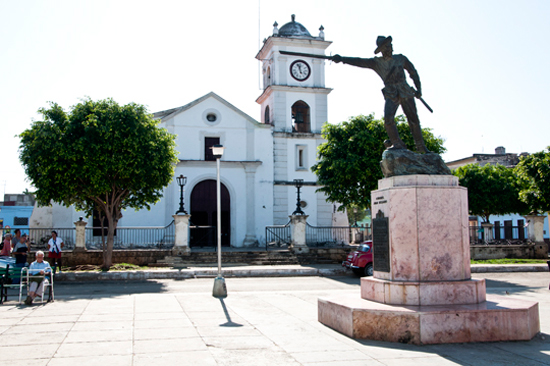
[
  {"x": 323, "y": 236},
  {"x": 39, "y": 237},
  {"x": 500, "y": 235},
  {"x": 277, "y": 236},
  {"x": 152, "y": 237}
]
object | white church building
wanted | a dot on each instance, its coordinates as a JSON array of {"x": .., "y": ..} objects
[{"x": 261, "y": 157}]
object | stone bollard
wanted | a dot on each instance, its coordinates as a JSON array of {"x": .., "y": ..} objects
[
  {"x": 298, "y": 233},
  {"x": 181, "y": 244},
  {"x": 80, "y": 243}
]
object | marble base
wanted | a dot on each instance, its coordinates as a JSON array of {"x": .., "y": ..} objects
[
  {"x": 428, "y": 233},
  {"x": 423, "y": 293},
  {"x": 500, "y": 318}
]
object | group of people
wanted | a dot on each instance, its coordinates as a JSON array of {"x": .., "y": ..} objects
[{"x": 18, "y": 245}]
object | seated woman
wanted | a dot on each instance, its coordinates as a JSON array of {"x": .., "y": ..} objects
[
  {"x": 38, "y": 267},
  {"x": 6, "y": 249}
]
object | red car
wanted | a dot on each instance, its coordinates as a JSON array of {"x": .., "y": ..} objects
[{"x": 360, "y": 260}]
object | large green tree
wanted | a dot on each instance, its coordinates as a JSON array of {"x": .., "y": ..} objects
[
  {"x": 534, "y": 170},
  {"x": 98, "y": 156},
  {"x": 492, "y": 190},
  {"x": 349, "y": 161}
]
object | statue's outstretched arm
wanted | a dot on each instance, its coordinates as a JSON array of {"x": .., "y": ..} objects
[{"x": 368, "y": 63}]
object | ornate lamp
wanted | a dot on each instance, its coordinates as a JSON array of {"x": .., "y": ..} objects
[
  {"x": 181, "y": 182},
  {"x": 298, "y": 183}
]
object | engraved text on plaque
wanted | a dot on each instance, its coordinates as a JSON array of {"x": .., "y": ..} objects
[{"x": 381, "y": 243}]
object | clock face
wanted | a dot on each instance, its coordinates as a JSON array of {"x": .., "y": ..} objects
[{"x": 300, "y": 70}]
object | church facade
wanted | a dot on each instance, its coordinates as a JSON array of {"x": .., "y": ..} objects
[{"x": 261, "y": 157}]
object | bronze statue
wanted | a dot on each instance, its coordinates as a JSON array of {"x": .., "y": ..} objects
[
  {"x": 396, "y": 159},
  {"x": 396, "y": 91}
]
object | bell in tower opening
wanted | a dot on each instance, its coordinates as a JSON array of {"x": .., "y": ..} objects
[{"x": 300, "y": 117}]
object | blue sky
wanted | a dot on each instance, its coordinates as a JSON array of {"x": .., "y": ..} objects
[{"x": 483, "y": 64}]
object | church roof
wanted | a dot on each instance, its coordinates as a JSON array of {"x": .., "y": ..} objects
[
  {"x": 294, "y": 29},
  {"x": 169, "y": 113}
]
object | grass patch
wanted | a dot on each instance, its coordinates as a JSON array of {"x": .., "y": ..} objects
[{"x": 509, "y": 261}]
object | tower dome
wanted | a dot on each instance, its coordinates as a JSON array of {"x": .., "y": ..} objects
[{"x": 294, "y": 29}]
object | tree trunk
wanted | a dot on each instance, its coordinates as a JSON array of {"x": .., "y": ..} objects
[{"x": 108, "y": 250}]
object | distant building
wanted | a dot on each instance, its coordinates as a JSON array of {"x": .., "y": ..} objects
[
  {"x": 17, "y": 199},
  {"x": 506, "y": 226},
  {"x": 500, "y": 156},
  {"x": 16, "y": 210}
]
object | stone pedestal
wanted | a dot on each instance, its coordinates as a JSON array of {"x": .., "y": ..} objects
[
  {"x": 535, "y": 233},
  {"x": 181, "y": 244},
  {"x": 422, "y": 291},
  {"x": 487, "y": 232},
  {"x": 298, "y": 233},
  {"x": 80, "y": 242},
  {"x": 535, "y": 229}
]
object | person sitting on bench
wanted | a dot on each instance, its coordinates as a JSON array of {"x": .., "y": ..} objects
[{"x": 38, "y": 267}]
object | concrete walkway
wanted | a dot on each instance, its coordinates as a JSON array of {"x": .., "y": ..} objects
[
  {"x": 263, "y": 321},
  {"x": 260, "y": 271}
]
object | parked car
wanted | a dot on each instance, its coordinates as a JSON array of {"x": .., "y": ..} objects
[{"x": 360, "y": 260}]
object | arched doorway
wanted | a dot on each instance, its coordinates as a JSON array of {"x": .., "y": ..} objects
[{"x": 203, "y": 215}]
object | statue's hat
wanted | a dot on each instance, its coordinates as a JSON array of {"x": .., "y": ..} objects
[{"x": 381, "y": 41}]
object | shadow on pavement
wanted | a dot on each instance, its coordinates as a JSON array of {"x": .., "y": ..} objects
[
  {"x": 508, "y": 288},
  {"x": 229, "y": 322},
  {"x": 350, "y": 279},
  {"x": 76, "y": 290},
  {"x": 533, "y": 352}
]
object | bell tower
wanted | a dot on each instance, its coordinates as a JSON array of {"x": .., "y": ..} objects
[{"x": 294, "y": 102}]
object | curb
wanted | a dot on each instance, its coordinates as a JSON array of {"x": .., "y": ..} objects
[
  {"x": 257, "y": 272},
  {"x": 197, "y": 273},
  {"x": 496, "y": 268}
]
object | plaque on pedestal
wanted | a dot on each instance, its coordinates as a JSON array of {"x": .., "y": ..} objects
[{"x": 381, "y": 243}]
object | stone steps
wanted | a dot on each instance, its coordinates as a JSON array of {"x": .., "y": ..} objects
[{"x": 209, "y": 259}]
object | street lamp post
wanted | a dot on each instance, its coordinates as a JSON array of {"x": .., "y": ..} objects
[
  {"x": 220, "y": 290},
  {"x": 181, "y": 182},
  {"x": 298, "y": 183}
]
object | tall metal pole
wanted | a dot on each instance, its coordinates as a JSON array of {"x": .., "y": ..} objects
[
  {"x": 219, "y": 218},
  {"x": 220, "y": 290}
]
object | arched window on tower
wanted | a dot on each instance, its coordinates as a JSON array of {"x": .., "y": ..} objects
[
  {"x": 267, "y": 120},
  {"x": 267, "y": 77},
  {"x": 300, "y": 117}
]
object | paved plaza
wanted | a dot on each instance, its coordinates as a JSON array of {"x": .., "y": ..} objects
[{"x": 263, "y": 321}]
